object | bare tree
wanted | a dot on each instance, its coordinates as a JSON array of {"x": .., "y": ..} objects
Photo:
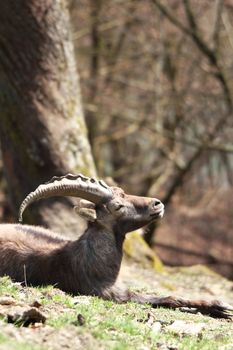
[
  {"x": 210, "y": 51},
  {"x": 163, "y": 89},
  {"x": 42, "y": 129}
]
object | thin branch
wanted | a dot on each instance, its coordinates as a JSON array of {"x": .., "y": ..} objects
[
  {"x": 117, "y": 48},
  {"x": 194, "y": 143},
  {"x": 102, "y": 28},
  {"x": 209, "y": 53},
  {"x": 116, "y": 135},
  {"x": 195, "y": 34},
  {"x": 228, "y": 27},
  {"x": 217, "y": 21},
  {"x": 190, "y": 16},
  {"x": 172, "y": 18},
  {"x": 204, "y": 144}
]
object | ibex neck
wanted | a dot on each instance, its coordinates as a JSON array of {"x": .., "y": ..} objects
[{"x": 97, "y": 258}]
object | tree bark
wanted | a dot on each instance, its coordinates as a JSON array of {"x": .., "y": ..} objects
[{"x": 42, "y": 128}]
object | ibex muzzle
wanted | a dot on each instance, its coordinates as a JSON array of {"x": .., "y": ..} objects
[{"x": 89, "y": 265}]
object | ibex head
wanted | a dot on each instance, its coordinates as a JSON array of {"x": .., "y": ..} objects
[{"x": 108, "y": 206}]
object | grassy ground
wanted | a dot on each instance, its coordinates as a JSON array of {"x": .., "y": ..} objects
[{"x": 91, "y": 323}]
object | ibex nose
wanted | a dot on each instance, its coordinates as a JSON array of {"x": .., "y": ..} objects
[
  {"x": 157, "y": 208},
  {"x": 157, "y": 202}
]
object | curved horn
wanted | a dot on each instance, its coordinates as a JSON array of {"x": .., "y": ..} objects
[{"x": 96, "y": 191}]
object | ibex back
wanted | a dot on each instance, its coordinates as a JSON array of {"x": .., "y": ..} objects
[{"x": 89, "y": 265}]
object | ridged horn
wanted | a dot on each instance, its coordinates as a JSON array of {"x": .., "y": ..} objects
[{"x": 96, "y": 191}]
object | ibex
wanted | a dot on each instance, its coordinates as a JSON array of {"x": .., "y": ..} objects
[{"x": 89, "y": 265}]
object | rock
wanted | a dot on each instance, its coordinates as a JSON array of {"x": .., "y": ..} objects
[
  {"x": 7, "y": 300},
  {"x": 80, "y": 320},
  {"x": 185, "y": 327},
  {"x": 136, "y": 248},
  {"x": 36, "y": 304},
  {"x": 156, "y": 328}
]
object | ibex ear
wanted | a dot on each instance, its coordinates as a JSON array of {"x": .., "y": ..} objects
[{"x": 86, "y": 210}]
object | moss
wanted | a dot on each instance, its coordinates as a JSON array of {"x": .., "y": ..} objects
[{"x": 136, "y": 247}]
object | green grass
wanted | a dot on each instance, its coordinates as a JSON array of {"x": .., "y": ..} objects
[
  {"x": 108, "y": 325},
  {"x": 8, "y": 288},
  {"x": 120, "y": 326}
]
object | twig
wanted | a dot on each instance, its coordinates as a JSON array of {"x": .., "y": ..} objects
[
  {"x": 25, "y": 275},
  {"x": 216, "y": 26}
]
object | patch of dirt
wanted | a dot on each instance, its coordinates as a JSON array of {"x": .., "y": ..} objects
[
  {"x": 197, "y": 282},
  {"x": 51, "y": 338}
]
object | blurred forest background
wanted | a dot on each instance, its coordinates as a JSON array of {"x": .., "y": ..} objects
[{"x": 156, "y": 81}]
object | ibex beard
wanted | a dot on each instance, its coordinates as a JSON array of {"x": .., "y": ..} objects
[{"x": 91, "y": 264}]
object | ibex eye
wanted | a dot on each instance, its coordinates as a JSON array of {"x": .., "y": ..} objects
[{"x": 119, "y": 207}]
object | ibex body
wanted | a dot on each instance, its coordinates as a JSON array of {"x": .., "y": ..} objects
[{"x": 89, "y": 265}]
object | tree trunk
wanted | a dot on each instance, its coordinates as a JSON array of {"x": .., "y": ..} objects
[{"x": 42, "y": 129}]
